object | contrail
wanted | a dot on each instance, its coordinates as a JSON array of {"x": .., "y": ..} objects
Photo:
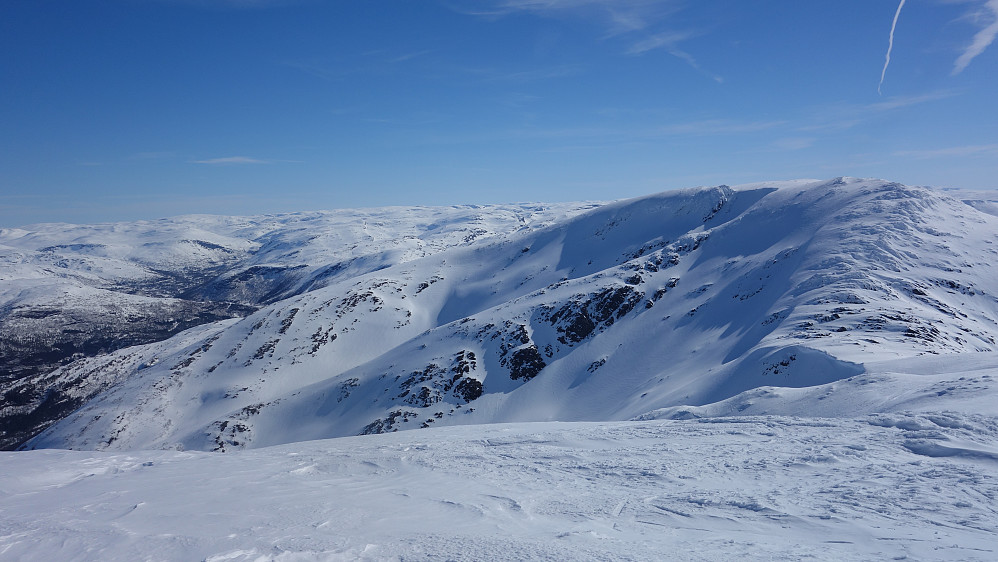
[{"x": 890, "y": 45}]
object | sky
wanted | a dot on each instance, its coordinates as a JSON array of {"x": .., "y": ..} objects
[{"x": 117, "y": 110}]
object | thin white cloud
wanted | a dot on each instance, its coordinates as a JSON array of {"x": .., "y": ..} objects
[
  {"x": 230, "y": 160},
  {"x": 619, "y": 18},
  {"x": 668, "y": 40},
  {"x": 983, "y": 38},
  {"x": 971, "y": 150},
  {"x": 890, "y": 47},
  {"x": 683, "y": 55},
  {"x": 986, "y": 16}
]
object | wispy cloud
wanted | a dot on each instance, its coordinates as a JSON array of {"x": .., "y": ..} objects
[
  {"x": 669, "y": 41},
  {"x": 617, "y": 16},
  {"x": 983, "y": 38},
  {"x": 890, "y": 47},
  {"x": 231, "y": 160},
  {"x": 640, "y": 21},
  {"x": 985, "y": 16},
  {"x": 972, "y": 150}
]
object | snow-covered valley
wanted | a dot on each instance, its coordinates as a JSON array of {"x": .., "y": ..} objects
[{"x": 772, "y": 371}]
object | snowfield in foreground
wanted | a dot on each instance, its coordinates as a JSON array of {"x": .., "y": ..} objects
[{"x": 880, "y": 487}]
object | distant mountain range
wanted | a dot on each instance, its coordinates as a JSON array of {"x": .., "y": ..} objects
[{"x": 836, "y": 297}]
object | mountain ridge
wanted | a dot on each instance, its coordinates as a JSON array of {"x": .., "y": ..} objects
[{"x": 666, "y": 303}]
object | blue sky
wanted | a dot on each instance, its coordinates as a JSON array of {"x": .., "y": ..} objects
[{"x": 134, "y": 109}]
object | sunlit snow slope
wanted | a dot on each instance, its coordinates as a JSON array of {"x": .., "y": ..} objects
[
  {"x": 72, "y": 291},
  {"x": 687, "y": 303}
]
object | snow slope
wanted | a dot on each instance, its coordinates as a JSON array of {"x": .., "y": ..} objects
[
  {"x": 72, "y": 291},
  {"x": 915, "y": 487},
  {"x": 678, "y": 300}
]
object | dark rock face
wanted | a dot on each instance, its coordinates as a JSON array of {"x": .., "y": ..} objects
[
  {"x": 468, "y": 389},
  {"x": 451, "y": 383},
  {"x": 518, "y": 353},
  {"x": 389, "y": 423},
  {"x": 578, "y": 319},
  {"x": 448, "y": 388},
  {"x": 525, "y": 363},
  {"x": 433, "y": 384},
  {"x": 236, "y": 431}
]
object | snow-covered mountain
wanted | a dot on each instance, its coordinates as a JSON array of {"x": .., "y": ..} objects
[
  {"x": 782, "y": 298},
  {"x": 72, "y": 291}
]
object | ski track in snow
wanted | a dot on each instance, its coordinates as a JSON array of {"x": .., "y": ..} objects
[{"x": 759, "y": 488}]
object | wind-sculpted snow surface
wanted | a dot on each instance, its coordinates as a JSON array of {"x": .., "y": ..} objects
[
  {"x": 643, "y": 307},
  {"x": 879, "y": 487}
]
